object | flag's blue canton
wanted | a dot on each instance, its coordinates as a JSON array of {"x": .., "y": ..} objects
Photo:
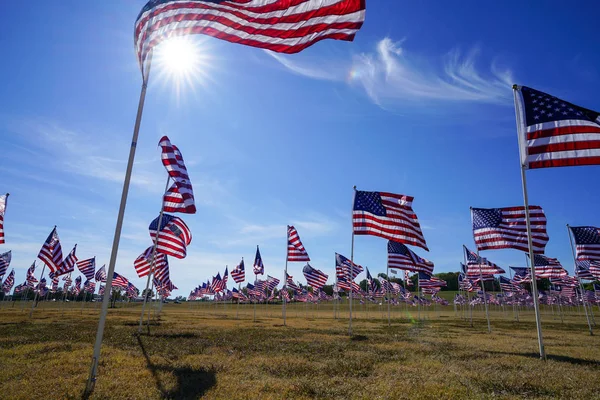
[
  {"x": 490, "y": 218},
  {"x": 521, "y": 271},
  {"x": 542, "y": 261},
  {"x": 541, "y": 107},
  {"x": 154, "y": 3},
  {"x": 369, "y": 202},
  {"x": 505, "y": 280},
  {"x": 176, "y": 231},
  {"x": 397, "y": 248},
  {"x": 586, "y": 235},
  {"x": 165, "y": 220}
]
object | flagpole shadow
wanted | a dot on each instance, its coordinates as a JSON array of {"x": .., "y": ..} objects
[{"x": 551, "y": 357}]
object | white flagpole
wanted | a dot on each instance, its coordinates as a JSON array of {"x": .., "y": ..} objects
[
  {"x": 117, "y": 237},
  {"x": 522, "y": 147},
  {"x": 351, "y": 279},
  {"x": 287, "y": 235},
  {"x": 487, "y": 315},
  {"x": 160, "y": 218},
  {"x": 579, "y": 279},
  {"x": 388, "y": 292},
  {"x": 37, "y": 291}
]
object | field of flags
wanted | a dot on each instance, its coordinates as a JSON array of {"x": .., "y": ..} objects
[{"x": 552, "y": 133}]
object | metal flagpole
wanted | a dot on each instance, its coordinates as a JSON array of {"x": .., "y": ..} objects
[
  {"x": 487, "y": 315},
  {"x": 37, "y": 292},
  {"x": 351, "y": 265},
  {"x": 534, "y": 290},
  {"x": 285, "y": 274},
  {"x": 117, "y": 237},
  {"x": 160, "y": 218},
  {"x": 579, "y": 279},
  {"x": 388, "y": 292}
]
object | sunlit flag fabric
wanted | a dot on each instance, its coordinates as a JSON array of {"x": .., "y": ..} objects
[
  {"x": 4, "y": 262},
  {"x": 508, "y": 285},
  {"x": 315, "y": 278},
  {"x": 239, "y": 273},
  {"x": 554, "y": 132},
  {"x": 546, "y": 267},
  {"x": 587, "y": 242},
  {"x": 477, "y": 265},
  {"x": 143, "y": 263},
  {"x": 174, "y": 236},
  {"x": 595, "y": 268},
  {"x": 77, "y": 287},
  {"x": 217, "y": 284},
  {"x": 180, "y": 196},
  {"x": 407, "y": 279},
  {"x": 272, "y": 283},
  {"x": 9, "y": 282},
  {"x": 582, "y": 270},
  {"x": 506, "y": 228},
  {"x": 296, "y": 250},
  {"x": 522, "y": 275},
  {"x": 343, "y": 266},
  {"x": 3, "y": 199},
  {"x": 55, "y": 284},
  {"x": 289, "y": 283},
  {"x": 428, "y": 281},
  {"x": 387, "y": 215},
  {"x": 401, "y": 257},
  {"x": 282, "y": 26},
  {"x": 101, "y": 274},
  {"x": 259, "y": 268},
  {"x": 68, "y": 263},
  {"x": 119, "y": 281},
  {"x": 87, "y": 267},
  {"x": 51, "y": 252},
  {"x": 31, "y": 279}
]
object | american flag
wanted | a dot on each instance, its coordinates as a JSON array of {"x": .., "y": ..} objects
[
  {"x": 174, "y": 236},
  {"x": 314, "y": 277},
  {"x": 68, "y": 281},
  {"x": 89, "y": 286},
  {"x": 217, "y": 284},
  {"x": 343, "y": 284},
  {"x": 343, "y": 266},
  {"x": 77, "y": 287},
  {"x": 239, "y": 273},
  {"x": 285, "y": 294},
  {"x": 506, "y": 228},
  {"x": 272, "y": 283},
  {"x": 3, "y": 200},
  {"x": 464, "y": 283},
  {"x": 68, "y": 263},
  {"x": 8, "y": 282},
  {"x": 282, "y": 26},
  {"x": 582, "y": 270},
  {"x": 55, "y": 284},
  {"x": 508, "y": 285},
  {"x": 101, "y": 274},
  {"x": 51, "y": 252},
  {"x": 236, "y": 294},
  {"x": 407, "y": 279},
  {"x": 31, "y": 279},
  {"x": 370, "y": 280},
  {"x": 252, "y": 291},
  {"x": 401, "y": 257},
  {"x": 587, "y": 241},
  {"x": 259, "y": 268},
  {"x": 4, "y": 262},
  {"x": 296, "y": 250},
  {"x": 118, "y": 281},
  {"x": 546, "y": 267},
  {"x": 595, "y": 268},
  {"x": 87, "y": 267},
  {"x": 556, "y": 133},
  {"x": 143, "y": 263},
  {"x": 522, "y": 274},
  {"x": 289, "y": 283},
  {"x": 180, "y": 196},
  {"x": 427, "y": 281},
  {"x": 477, "y": 265},
  {"x": 387, "y": 215}
]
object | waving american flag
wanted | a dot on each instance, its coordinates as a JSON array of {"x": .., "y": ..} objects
[
  {"x": 296, "y": 250},
  {"x": 4, "y": 262},
  {"x": 180, "y": 196},
  {"x": 173, "y": 236},
  {"x": 51, "y": 252},
  {"x": 3, "y": 199},
  {"x": 238, "y": 273},
  {"x": 587, "y": 242}
]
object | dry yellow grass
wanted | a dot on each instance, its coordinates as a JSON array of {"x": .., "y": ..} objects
[{"x": 204, "y": 351}]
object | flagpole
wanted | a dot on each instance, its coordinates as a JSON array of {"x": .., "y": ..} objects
[
  {"x": 351, "y": 265},
  {"x": 388, "y": 291},
  {"x": 534, "y": 290},
  {"x": 37, "y": 291},
  {"x": 579, "y": 279},
  {"x": 285, "y": 274},
  {"x": 487, "y": 315},
  {"x": 117, "y": 237}
]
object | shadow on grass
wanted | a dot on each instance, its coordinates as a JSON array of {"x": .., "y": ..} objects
[
  {"x": 552, "y": 357},
  {"x": 358, "y": 338},
  {"x": 182, "y": 335},
  {"x": 191, "y": 383}
]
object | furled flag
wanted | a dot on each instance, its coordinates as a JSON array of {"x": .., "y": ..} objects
[
  {"x": 4, "y": 263},
  {"x": 225, "y": 278},
  {"x": 314, "y": 277},
  {"x": 239, "y": 273},
  {"x": 554, "y": 132},
  {"x": 8, "y": 282},
  {"x": 31, "y": 279},
  {"x": 87, "y": 268},
  {"x": 101, "y": 274},
  {"x": 3, "y": 200},
  {"x": 272, "y": 283},
  {"x": 427, "y": 281},
  {"x": 587, "y": 241},
  {"x": 180, "y": 196},
  {"x": 259, "y": 268},
  {"x": 582, "y": 270},
  {"x": 296, "y": 250},
  {"x": 477, "y": 265},
  {"x": 370, "y": 281},
  {"x": 174, "y": 236},
  {"x": 401, "y": 257},
  {"x": 68, "y": 264},
  {"x": 143, "y": 263},
  {"x": 387, "y": 215},
  {"x": 506, "y": 228},
  {"x": 343, "y": 266},
  {"x": 407, "y": 280},
  {"x": 119, "y": 281},
  {"x": 546, "y": 267},
  {"x": 77, "y": 287},
  {"x": 282, "y": 26},
  {"x": 68, "y": 281},
  {"x": 51, "y": 252}
]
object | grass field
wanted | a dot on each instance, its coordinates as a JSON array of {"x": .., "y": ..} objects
[{"x": 203, "y": 350}]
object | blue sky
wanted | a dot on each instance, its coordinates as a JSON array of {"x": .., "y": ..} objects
[{"x": 419, "y": 104}]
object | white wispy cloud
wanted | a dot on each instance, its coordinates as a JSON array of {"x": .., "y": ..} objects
[{"x": 391, "y": 75}]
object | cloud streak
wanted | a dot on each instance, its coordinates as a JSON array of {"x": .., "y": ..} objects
[{"x": 389, "y": 75}]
